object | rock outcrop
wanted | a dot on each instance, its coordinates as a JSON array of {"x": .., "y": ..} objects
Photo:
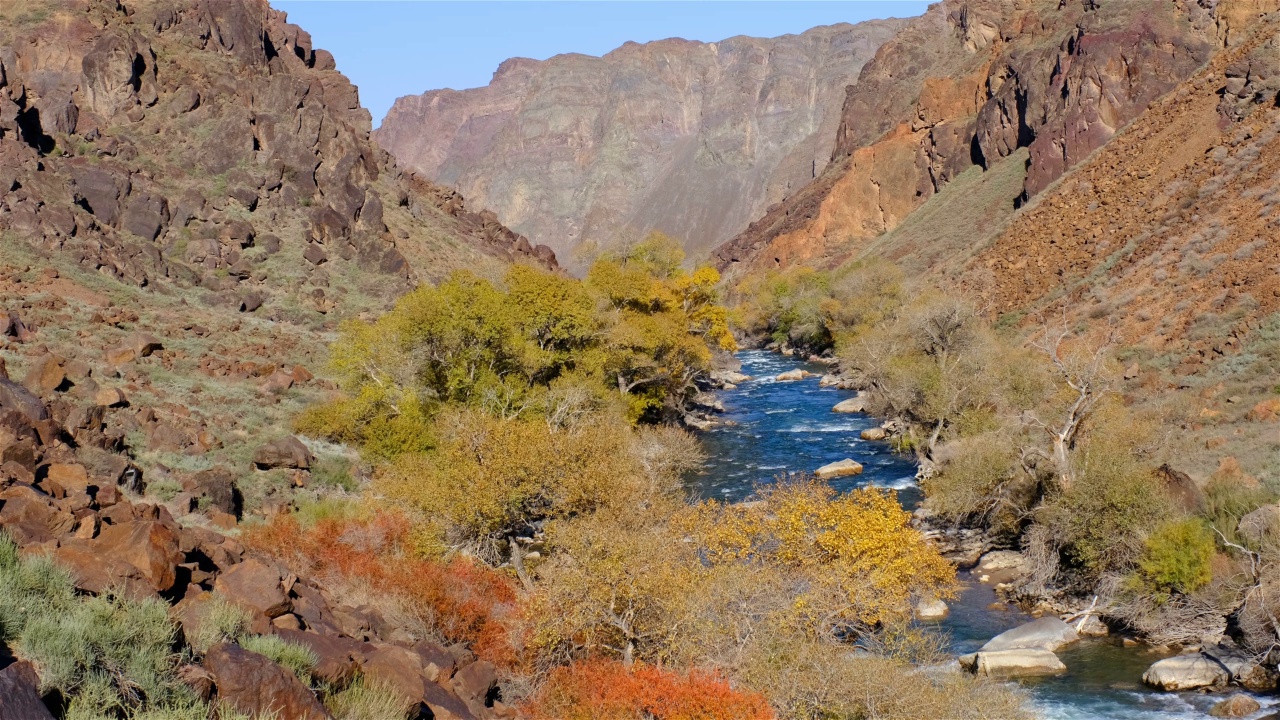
[
  {"x": 693, "y": 139},
  {"x": 168, "y": 142}
]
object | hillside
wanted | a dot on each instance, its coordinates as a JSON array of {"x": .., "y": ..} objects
[
  {"x": 968, "y": 84},
  {"x": 693, "y": 139},
  {"x": 200, "y": 173},
  {"x": 1156, "y": 229}
]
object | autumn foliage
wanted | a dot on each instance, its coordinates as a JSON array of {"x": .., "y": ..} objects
[
  {"x": 593, "y": 689},
  {"x": 459, "y": 599}
]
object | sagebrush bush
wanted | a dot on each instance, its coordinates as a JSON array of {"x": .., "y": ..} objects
[
  {"x": 297, "y": 658},
  {"x": 106, "y": 656},
  {"x": 367, "y": 699},
  {"x": 222, "y": 621}
]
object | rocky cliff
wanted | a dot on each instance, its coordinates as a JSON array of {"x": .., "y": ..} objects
[
  {"x": 968, "y": 84},
  {"x": 694, "y": 139}
]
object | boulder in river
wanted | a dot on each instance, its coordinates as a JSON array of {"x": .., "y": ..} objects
[
  {"x": 931, "y": 608},
  {"x": 851, "y": 405},
  {"x": 874, "y": 434},
  {"x": 1047, "y": 633},
  {"x": 792, "y": 375},
  {"x": 1020, "y": 662},
  {"x": 841, "y": 468},
  {"x": 1186, "y": 672},
  {"x": 1238, "y": 705}
]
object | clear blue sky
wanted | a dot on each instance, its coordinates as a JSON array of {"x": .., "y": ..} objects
[{"x": 390, "y": 49}]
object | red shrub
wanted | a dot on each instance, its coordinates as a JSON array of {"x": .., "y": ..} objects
[
  {"x": 595, "y": 689},
  {"x": 468, "y": 603}
]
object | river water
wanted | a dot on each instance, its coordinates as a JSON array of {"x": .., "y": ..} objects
[{"x": 774, "y": 428}]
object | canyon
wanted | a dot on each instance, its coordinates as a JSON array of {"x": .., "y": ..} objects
[{"x": 692, "y": 139}]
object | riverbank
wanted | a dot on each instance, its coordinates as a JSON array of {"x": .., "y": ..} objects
[{"x": 771, "y": 428}]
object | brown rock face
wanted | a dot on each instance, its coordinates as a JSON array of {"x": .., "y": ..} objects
[
  {"x": 20, "y": 694},
  {"x": 968, "y": 84},
  {"x": 287, "y": 452},
  {"x": 252, "y": 684},
  {"x": 694, "y": 139}
]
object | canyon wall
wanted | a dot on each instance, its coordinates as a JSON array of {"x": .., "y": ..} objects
[{"x": 693, "y": 139}]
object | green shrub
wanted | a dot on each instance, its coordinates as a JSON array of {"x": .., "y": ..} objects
[
  {"x": 1226, "y": 500},
  {"x": 366, "y": 699},
  {"x": 222, "y": 621},
  {"x": 1177, "y": 557},
  {"x": 297, "y": 658},
  {"x": 107, "y": 655}
]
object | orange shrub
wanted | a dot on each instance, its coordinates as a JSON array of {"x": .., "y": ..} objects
[
  {"x": 593, "y": 689},
  {"x": 465, "y": 602}
]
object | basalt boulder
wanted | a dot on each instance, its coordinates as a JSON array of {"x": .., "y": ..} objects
[{"x": 254, "y": 685}]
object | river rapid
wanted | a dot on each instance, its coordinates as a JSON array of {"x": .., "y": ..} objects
[{"x": 773, "y": 428}]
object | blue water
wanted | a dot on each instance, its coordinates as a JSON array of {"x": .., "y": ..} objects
[{"x": 775, "y": 428}]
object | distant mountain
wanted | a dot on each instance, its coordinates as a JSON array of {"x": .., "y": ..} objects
[{"x": 694, "y": 139}]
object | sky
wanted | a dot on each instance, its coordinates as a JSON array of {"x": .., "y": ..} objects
[{"x": 393, "y": 48}]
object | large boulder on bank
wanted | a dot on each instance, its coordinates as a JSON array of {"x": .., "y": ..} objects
[
  {"x": 1186, "y": 672},
  {"x": 254, "y": 685},
  {"x": 287, "y": 452},
  {"x": 1022, "y": 662},
  {"x": 1242, "y": 666},
  {"x": 1047, "y": 633},
  {"x": 841, "y": 468},
  {"x": 874, "y": 434},
  {"x": 851, "y": 405}
]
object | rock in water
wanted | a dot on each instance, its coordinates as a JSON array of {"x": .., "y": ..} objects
[
  {"x": 1047, "y": 633},
  {"x": 792, "y": 375},
  {"x": 874, "y": 434},
  {"x": 931, "y": 608},
  {"x": 1186, "y": 672},
  {"x": 1237, "y": 705},
  {"x": 842, "y": 468},
  {"x": 1024, "y": 662}
]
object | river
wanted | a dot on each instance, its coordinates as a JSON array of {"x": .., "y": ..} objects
[{"x": 773, "y": 428}]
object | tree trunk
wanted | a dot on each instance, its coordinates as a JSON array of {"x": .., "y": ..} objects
[
  {"x": 517, "y": 561},
  {"x": 1063, "y": 459}
]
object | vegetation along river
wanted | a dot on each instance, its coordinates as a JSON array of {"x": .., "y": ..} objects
[{"x": 772, "y": 428}]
